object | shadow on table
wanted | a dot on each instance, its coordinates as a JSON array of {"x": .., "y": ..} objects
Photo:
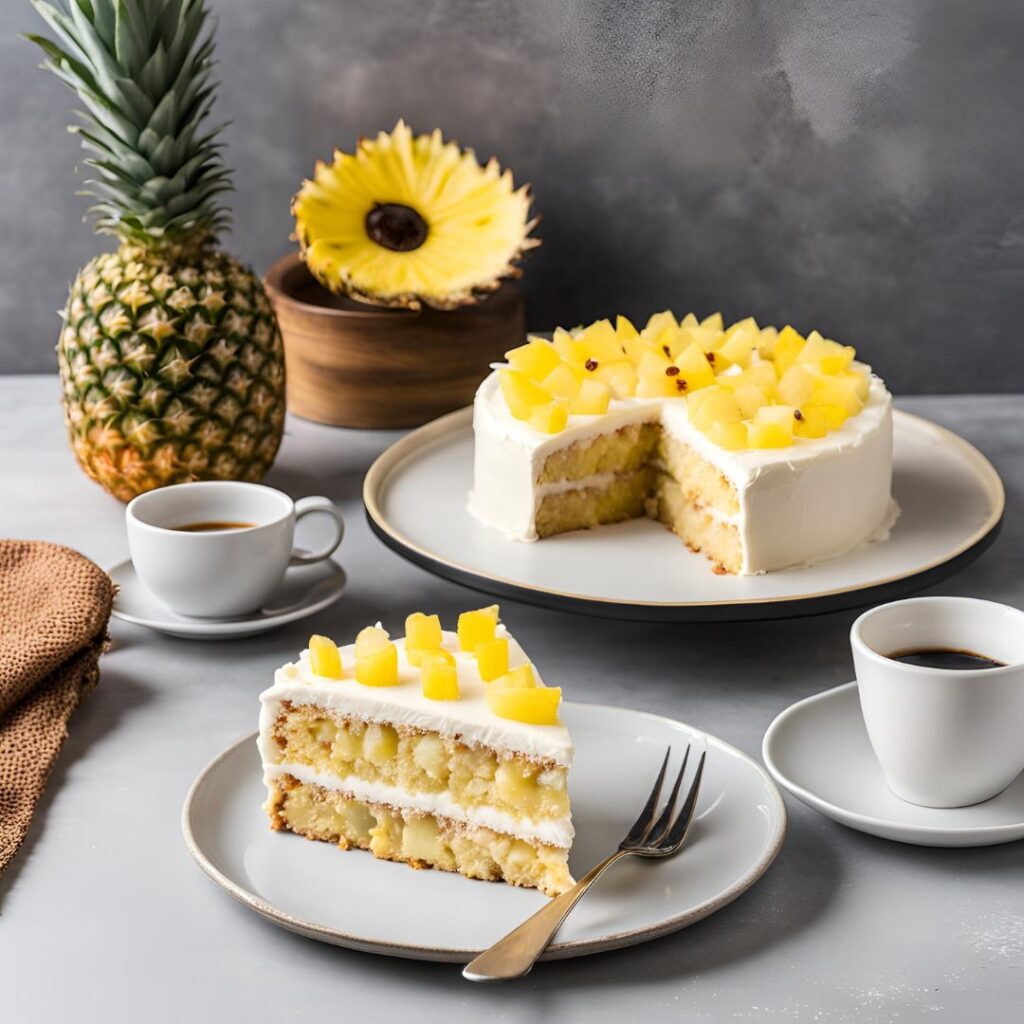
[{"x": 116, "y": 697}]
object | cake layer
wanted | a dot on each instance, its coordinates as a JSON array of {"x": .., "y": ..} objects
[
  {"x": 621, "y": 451},
  {"x": 606, "y": 500},
  {"x": 417, "y": 838},
  {"x": 419, "y": 762}
]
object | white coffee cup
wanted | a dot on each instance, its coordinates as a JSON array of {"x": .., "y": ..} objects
[
  {"x": 219, "y": 573},
  {"x": 944, "y": 737}
]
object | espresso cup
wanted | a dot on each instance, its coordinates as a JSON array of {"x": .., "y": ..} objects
[
  {"x": 944, "y": 737},
  {"x": 223, "y": 572}
]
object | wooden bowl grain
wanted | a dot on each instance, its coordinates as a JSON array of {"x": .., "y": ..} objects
[{"x": 354, "y": 365}]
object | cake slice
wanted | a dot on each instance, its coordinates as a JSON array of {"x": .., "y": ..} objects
[{"x": 441, "y": 749}]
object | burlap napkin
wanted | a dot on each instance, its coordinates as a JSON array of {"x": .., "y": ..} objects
[{"x": 54, "y": 609}]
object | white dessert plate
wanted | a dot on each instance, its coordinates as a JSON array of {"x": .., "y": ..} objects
[
  {"x": 818, "y": 749},
  {"x": 304, "y": 590},
  {"x": 352, "y": 899},
  {"x": 415, "y": 495}
]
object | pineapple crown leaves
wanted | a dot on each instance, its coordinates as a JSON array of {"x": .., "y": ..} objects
[{"x": 142, "y": 69}]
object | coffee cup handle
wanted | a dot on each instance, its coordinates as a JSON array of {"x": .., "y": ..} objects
[{"x": 308, "y": 506}]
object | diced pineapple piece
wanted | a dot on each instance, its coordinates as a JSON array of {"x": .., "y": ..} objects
[
  {"x": 550, "y": 418},
  {"x": 827, "y": 356},
  {"x": 324, "y": 657},
  {"x": 422, "y": 633},
  {"x": 750, "y": 398},
  {"x": 796, "y": 387},
  {"x": 624, "y": 329},
  {"x": 619, "y": 377},
  {"x": 563, "y": 381},
  {"x": 766, "y": 344},
  {"x": 661, "y": 327},
  {"x": 860, "y": 382},
  {"x": 421, "y": 840},
  {"x": 592, "y": 399},
  {"x": 811, "y": 421},
  {"x": 371, "y": 639},
  {"x": 568, "y": 348},
  {"x": 537, "y": 706},
  {"x": 763, "y": 374},
  {"x": 713, "y": 323},
  {"x": 431, "y": 756},
  {"x": 772, "y": 427},
  {"x": 492, "y": 658},
  {"x": 787, "y": 348},
  {"x": 741, "y": 327},
  {"x": 634, "y": 348},
  {"x": 380, "y": 745},
  {"x": 657, "y": 377},
  {"x": 378, "y": 668},
  {"x": 719, "y": 407},
  {"x": 521, "y": 393},
  {"x": 477, "y": 627},
  {"x": 518, "y": 678},
  {"x": 600, "y": 342},
  {"x": 439, "y": 675},
  {"x": 537, "y": 358},
  {"x": 694, "y": 368},
  {"x": 830, "y": 389},
  {"x": 835, "y": 415},
  {"x": 731, "y": 436},
  {"x": 739, "y": 346},
  {"x": 689, "y": 321}
]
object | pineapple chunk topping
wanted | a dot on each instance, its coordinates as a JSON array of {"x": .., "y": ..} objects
[
  {"x": 439, "y": 675},
  {"x": 521, "y": 678},
  {"x": 535, "y": 706},
  {"x": 580, "y": 372},
  {"x": 376, "y": 658},
  {"x": 477, "y": 627},
  {"x": 492, "y": 658},
  {"x": 324, "y": 657},
  {"x": 422, "y": 633}
]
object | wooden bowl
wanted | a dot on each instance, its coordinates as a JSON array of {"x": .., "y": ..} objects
[{"x": 354, "y": 365}]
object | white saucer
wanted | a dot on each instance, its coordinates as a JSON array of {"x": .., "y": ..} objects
[
  {"x": 818, "y": 749},
  {"x": 340, "y": 897},
  {"x": 304, "y": 590}
]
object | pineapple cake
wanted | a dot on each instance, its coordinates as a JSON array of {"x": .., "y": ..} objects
[
  {"x": 440, "y": 749},
  {"x": 763, "y": 449},
  {"x": 409, "y": 220},
  {"x": 170, "y": 358}
]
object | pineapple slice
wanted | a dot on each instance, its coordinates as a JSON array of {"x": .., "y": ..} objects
[
  {"x": 624, "y": 329},
  {"x": 439, "y": 676},
  {"x": 538, "y": 706},
  {"x": 827, "y": 356},
  {"x": 592, "y": 400},
  {"x": 563, "y": 381},
  {"x": 619, "y": 377},
  {"x": 378, "y": 667},
  {"x": 787, "y": 348},
  {"x": 324, "y": 657},
  {"x": 600, "y": 342},
  {"x": 568, "y": 348},
  {"x": 811, "y": 421},
  {"x": 537, "y": 358},
  {"x": 550, "y": 418},
  {"x": 422, "y": 633},
  {"x": 772, "y": 427},
  {"x": 521, "y": 678},
  {"x": 719, "y": 406},
  {"x": 521, "y": 393},
  {"x": 694, "y": 368},
  {"x": 731, "y": 436},
  {"x": 477, "y": 627},
  {"x": 492, "y": 658},
  {"x": 796, "y": 387}
]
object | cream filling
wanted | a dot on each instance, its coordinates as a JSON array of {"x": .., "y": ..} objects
[{"x": 552, "y": 832}]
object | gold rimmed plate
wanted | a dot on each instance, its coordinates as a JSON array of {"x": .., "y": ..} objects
[
  {"x": 352, "y": 899},
  {"x": 950, "y": 496}
]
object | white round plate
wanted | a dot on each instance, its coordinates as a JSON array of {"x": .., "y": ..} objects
[
  {"x": 818, "y": 749},
  {"x": 353, "y": 899},
  {"x": 415, "y": 495},
  {"x": 304, "y": 590}
]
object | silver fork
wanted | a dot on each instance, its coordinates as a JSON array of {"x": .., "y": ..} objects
[{"x": 661, "y": 836}]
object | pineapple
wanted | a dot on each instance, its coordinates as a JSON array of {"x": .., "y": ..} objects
[
  {"x": 477, "y": 627},
  {"x": 492, "y": 658},
  {"x": 439, "y": 675},
  {"x": 412, "y": 220},
  {"x": 170, "y": 358},
  {"x": 536, "y": 706},
  {"x": 324, "y": 657}
]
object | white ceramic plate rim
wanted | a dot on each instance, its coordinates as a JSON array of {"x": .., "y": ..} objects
[
  {"x": 862, "y": 822},
  {"x": 226, "y": 627},
  {"x": 385, "y": 464},
  {"x": 557, "y": 951}
]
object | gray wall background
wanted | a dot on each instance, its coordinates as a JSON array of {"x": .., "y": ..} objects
[{"x": 851, "y": 165}]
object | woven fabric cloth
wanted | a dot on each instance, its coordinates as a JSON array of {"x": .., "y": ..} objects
[{"x": 54, "y": 609}]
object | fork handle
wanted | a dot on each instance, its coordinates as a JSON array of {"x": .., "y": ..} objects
[{"x": 515, "y": 954}]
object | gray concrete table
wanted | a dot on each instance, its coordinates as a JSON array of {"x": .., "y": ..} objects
[{"x": 103, "y": 916}]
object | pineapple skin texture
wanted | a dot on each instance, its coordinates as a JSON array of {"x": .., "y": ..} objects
[{"x": 172, "y": 369}]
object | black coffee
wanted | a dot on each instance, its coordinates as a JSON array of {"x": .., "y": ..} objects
[{"x": 946, "y": 657}]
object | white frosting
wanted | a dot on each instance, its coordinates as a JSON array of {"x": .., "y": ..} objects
[
  {"x": 467, "y": 719},
  {"x": 551, "y": 832},
  {"x": 816, "y": 499}
]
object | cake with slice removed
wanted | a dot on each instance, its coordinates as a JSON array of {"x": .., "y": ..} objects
[{"x": 440, "y": 749}]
